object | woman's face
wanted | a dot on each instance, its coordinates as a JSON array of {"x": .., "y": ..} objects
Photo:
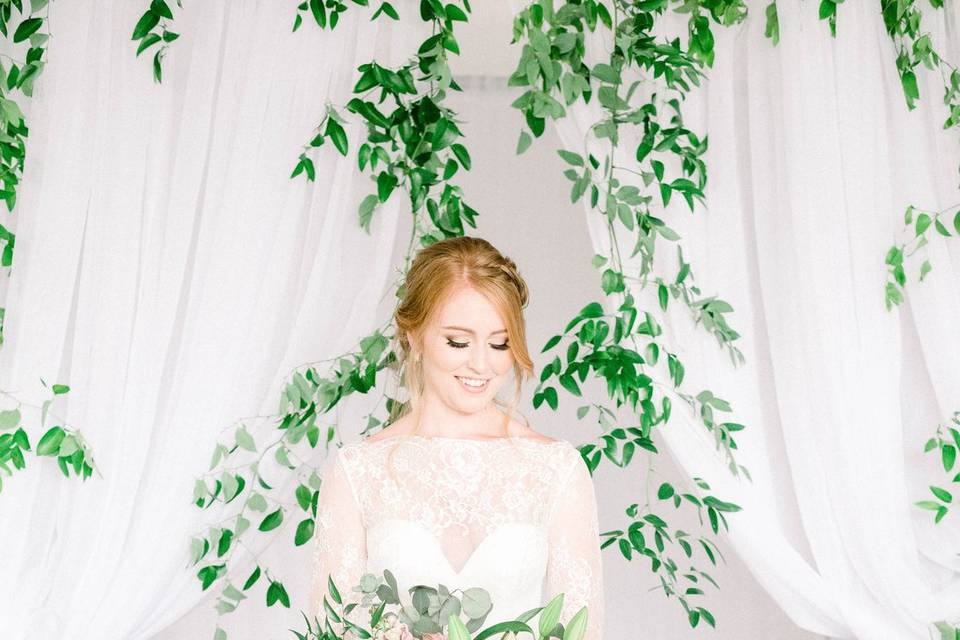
[{"x": 466, "y": 355}]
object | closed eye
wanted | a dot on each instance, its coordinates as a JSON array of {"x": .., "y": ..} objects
[{"x": 463, "y": 345}]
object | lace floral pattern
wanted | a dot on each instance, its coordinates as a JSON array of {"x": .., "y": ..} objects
[{"x": 462, "y": 491}]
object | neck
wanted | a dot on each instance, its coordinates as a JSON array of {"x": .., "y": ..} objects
[{"x": 434, "y": 419}]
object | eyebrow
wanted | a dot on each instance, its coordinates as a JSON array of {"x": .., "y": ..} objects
[{"x": 470, "y": 331}]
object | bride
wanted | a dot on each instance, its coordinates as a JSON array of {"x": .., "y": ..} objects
[{"x": 455, "y": 491}]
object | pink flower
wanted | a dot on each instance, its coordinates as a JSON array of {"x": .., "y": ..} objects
[{"x": 434, "y": 636}]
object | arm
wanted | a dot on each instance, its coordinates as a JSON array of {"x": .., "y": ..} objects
[
  {"x": 573, "y": 566},
  {"x": 341, "y": 547}
]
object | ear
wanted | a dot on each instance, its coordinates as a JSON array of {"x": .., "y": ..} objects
[{"x": 415, "y": 343}]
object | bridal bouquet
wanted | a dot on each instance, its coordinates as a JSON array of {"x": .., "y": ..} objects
[{"x": 430, "y": 614}]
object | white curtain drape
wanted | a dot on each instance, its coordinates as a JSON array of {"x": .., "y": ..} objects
[
  {"x": 172, "y": 274},
  {"x": 169, "y": 270},
  {"x": 813, "y": 159}
]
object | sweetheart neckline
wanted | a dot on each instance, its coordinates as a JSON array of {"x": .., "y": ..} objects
[{"x": 439, "y": 547}]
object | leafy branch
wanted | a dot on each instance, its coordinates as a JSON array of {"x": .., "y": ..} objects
[
  {"x": 619, "y": 342},
  {"x": 412, "y": 144},
  {"x": 67, "y": 445},
  {"x": 152, "y": 29}
]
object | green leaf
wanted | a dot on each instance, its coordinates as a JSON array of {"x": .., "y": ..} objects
[
  {"x": 277, "y": 593},
  {"x": 577, "y": 628},
  {"x": 252, "y": 579},
  {"x": 455, "y": 13},
  {"x": 9, "y": 419},
  {"x": 462, "y": 155},
  {"x": 572, "y": 158},
  {"x": 366, "y": 210},
  {"x": 948, "y": 455},
  {"x": 942, "y": 494},
  {"x": 551, "y": 343},
  {"x": 524, "y": 142},
  {"x": 827, "y": 9},
  {"x": 388, "y": 9},
  {"x": 665, "y": 491},
  {"x": 272, "y": 520},
  {"x": 304, "y": 497},
  {"x": 550, "y": 395},
  {"x": 27, "y": 28},
  {"x": 304, "y": 532},
  {"x": 319, "y": 13},
  {"x": 456, "y": 629},
  {"x": 339, "y": 137},
  {"x": 772, "y": 28},
  {"x": 550, "y": 615},
  {"x": 910, "y": 90},
  {"x": 210, "y": 573},
  {"x": 148, "y": 42},
  {"x": 923, "y": 223},
  {"x": 49, "y": 444},
  {"x": 386, "y": 182},
  {"x": 568, "y": 383},
  {"x": 245, "y": 440},
  {"x": 157, "y": 69},
  {"x": 224, "y": 544},
  {"x": 161, "y": 8},
  {"x": 147, "y": 22}
]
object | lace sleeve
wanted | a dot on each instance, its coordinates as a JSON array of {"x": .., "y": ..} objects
[
  {"x": 574, "y": 567},
  {"x": 341, "y": 549}
]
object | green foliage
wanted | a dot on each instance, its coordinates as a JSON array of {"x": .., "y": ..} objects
[
  {"x": 772, "y": 28},
  {"x": 920, "y": 225},
  {"x": 947, "y": 631},
  {"x": 412, "y": 143},
  {"x": 945, "y": 444},
  {"x": 412, "y": 137},
  {"x": 618, "y": 342},
  {"x": 66, "y": 445},
  {"x": 17, "y": 76},
  {"x": 456, "y": 613},
  {"x": 152, "y": 29},
  {"x": 914, "y": 46},
  {"x": 669, "y": 547},
  {"x": 828, "y": 12}
]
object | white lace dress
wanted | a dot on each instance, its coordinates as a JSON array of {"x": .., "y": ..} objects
[{"x": 514, "y": 516}]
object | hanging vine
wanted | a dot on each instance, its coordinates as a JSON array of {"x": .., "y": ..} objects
[
  {"x": 620, "y": 342},
  {"x": 17, "y": 75},
  {"x": 65, "y": 444},
  {"x": 412, "y": 145},
  {"x": 25, "y": 26},
  {"x": 152, "y": 29}
]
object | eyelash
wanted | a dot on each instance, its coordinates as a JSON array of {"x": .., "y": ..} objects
[{"x": 463, "y": 345}]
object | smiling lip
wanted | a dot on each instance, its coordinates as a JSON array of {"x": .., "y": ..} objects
[{"x": 473, "y": 388}]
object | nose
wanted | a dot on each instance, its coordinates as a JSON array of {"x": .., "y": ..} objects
[{"x": 478, "y": 358}]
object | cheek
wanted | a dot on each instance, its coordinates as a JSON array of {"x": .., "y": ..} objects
[
  {"x": 447, "y": 359},
  {"x": 502, "y": 362}
]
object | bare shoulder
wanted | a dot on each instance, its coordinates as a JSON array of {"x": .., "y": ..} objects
[
  {"x": 523, "y": 431},
  {"x": 401, "y": 426}
]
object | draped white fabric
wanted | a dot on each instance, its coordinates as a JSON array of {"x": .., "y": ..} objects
[
  {"x": 813, "y": 159},
  {"x": 172, "y": 274},
  {"x": 158, "y": 230}
]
